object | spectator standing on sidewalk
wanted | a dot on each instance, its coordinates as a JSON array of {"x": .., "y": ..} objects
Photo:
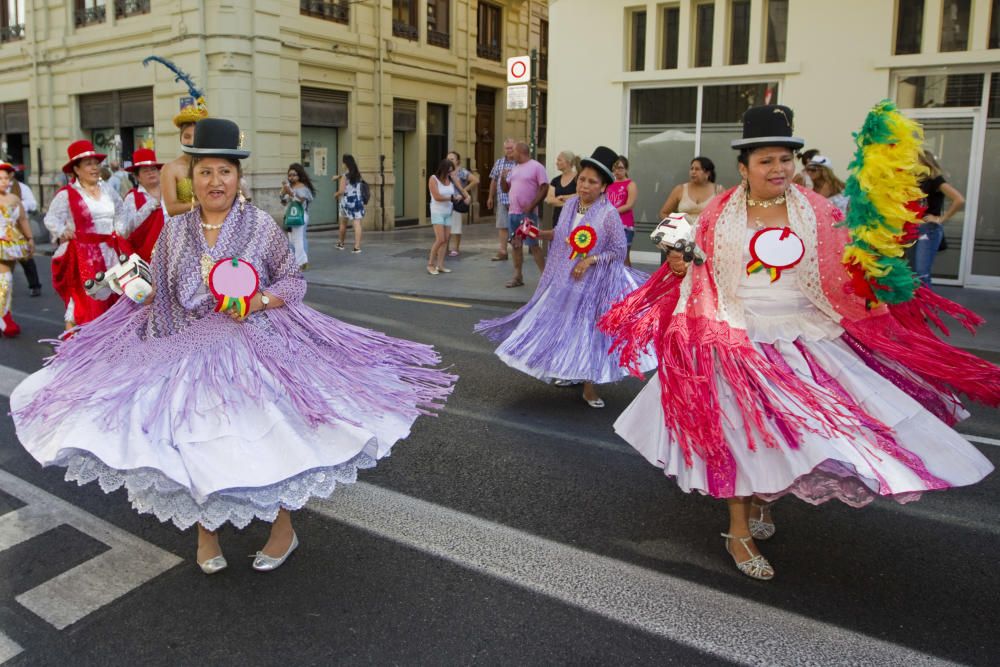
[
  {"x": 300, "y": 188},
  {"x": 466, "y": 180},
  {"x": 30, "y": 204},
  {"x": 444, "y": 189},
  {"x": 826, "y": 183},
  {"x": 352, "y": 203},
  {"x": 691, "y": 197},
  {"x": 563, "y": 186},
  {"x": 931, "y": 231},
  {"x": 803, "y": 178},
  {"x": 622, "y": 194},
  {"x": 526, "y": 185},
  {"x": 499, "y": 200}
]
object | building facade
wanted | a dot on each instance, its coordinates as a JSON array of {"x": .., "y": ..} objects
[
  {"x": 396, "y": 83},
  {"x": 670, "y": 80}
]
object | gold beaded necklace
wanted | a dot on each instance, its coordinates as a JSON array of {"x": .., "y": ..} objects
[{"x": 766, "y": 203}]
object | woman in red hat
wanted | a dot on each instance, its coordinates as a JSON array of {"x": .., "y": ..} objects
[
  {"x": 16, "y": 244},
  {"x": 143, "y": 208},
  {"x": 84, "y": 217}
]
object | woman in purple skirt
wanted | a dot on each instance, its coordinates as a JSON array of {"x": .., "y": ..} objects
[
  {"x": 211, "y": 417},
  {"x": 553, "y": 337}
]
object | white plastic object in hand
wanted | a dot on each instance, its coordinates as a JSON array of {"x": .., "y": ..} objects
[
  {"x": 131, "y": 278},
  {"x": 675, "y": 233}
]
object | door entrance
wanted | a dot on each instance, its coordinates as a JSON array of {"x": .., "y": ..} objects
[
  {"x": 951, "y": 134},
  {"x": 960, "y": 112},
  {"x": 437, "y": 141},
  {"x": 485, "y": 141},
  {"x": 321, "y": 160}
]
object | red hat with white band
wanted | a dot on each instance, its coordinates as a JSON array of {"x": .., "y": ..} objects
[
  {"x": 78, "y": 150},
  {"x": 143, "y": 157},
  {"x": 6, "y": 166}
]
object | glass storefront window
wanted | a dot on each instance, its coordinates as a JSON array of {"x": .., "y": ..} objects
[
  {"x": 940, "y": 90},
  {"x": 986, "y": 248},
  {"x": 663, "y": 138}
]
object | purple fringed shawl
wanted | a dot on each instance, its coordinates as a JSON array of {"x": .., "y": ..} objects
[
  {"x": 207, "y": 357},
  {"x": 563, "y": 311}
]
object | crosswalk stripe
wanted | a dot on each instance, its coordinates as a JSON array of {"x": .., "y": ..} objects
[
  {"x": 68, "y": 597},
  {"x": 678, "y": 610},
  {"x": 25, "y": 523},
  {"x": 8, "y": 648}
]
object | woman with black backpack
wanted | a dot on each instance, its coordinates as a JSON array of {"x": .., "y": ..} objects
[{"x": 352, "y": 193}]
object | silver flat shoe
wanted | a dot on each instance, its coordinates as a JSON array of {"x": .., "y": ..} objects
[
  {"x": 596, "y": 403},
  {"x": 760, "y": 529},
  {"x": 756, "y": 567},
  {"x": 213, "y": 565},
  {"x": 264, "y": 563}
]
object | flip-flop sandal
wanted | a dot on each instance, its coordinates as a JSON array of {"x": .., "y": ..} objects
[
  {"x": 499, "y": 258},
  {"x": 515, "y": 283}
]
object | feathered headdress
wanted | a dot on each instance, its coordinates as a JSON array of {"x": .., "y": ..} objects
[
  {"x": 884, "y": 205},
  {"x": 192, "y": 113}
]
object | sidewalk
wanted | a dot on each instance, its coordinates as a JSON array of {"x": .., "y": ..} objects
[{"x": 395, "y": 261}]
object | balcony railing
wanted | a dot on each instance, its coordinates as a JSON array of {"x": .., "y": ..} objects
[
  {"x": 439, "y": 38},
  {"x": 336, "y": 11},
  {"x": 488, "y": 51},
  {"x": 90, "y": 15},
  {"x": 126, "y": 8},
  {"x": 405, "y": 30},
  {"x": 11, "y": 33}
]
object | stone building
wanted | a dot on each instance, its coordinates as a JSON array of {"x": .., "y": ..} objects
[{"x": 396, "y": 83}]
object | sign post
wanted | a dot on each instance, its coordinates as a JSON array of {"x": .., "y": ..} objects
[{"x": 522, "y": 90}]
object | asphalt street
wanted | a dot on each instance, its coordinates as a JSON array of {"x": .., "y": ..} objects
[{"x": 513, "y": 528}]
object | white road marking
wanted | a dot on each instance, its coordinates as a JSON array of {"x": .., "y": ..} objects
[
  {"x": 10, "y": 378},
  {"x": 678, "y": 610},
  {"x": 539, "y": 432},
  {"x": 436, "y": 302},
  {"x": 68, "y": 597},
  {"x": 8, "y": 648},
  {"x": 981, "y": 440}
]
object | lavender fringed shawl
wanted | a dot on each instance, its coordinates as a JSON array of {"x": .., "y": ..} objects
[
  {"x": 312, "y": 356},
  {"x": 564, "y": 311}
]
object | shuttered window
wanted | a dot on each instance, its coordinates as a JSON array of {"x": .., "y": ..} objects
[
  {"x": 117, "y": 108},
  {"x": 14, "y": 118},
  {"x": 404, "y": 115},
  {"x": 324, "y": 108}
]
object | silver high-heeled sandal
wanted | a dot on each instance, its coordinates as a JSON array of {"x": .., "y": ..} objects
[
  {"x": 264, "y": 563},
  {"x": 760, "y": 529},
  {"x": 756, "y": 567}
]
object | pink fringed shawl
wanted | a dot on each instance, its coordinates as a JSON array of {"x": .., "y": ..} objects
[{"x": 698, "y": 331}]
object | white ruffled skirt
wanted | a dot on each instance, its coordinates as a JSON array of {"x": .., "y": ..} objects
[{"x": 922, "y": 452}]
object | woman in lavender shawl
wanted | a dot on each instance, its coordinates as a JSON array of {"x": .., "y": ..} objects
[
  {"x": 206, "y": 417},
  {"x": 553, "y": 337}
]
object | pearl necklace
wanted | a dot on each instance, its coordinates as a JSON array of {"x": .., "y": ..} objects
[
  {"x": 211, "y": 227},
  {"x": 766, "y": 203}
]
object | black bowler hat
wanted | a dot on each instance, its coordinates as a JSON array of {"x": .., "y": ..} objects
[
  {"x": 217, "y": 137},
  {"x": 768, "y": 125},
  {"x": 603, "y": 160}
]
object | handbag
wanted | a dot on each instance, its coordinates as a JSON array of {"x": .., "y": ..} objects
[
  {"x": 295, "y": 214},
  {"x": 459, "y": 205}
]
